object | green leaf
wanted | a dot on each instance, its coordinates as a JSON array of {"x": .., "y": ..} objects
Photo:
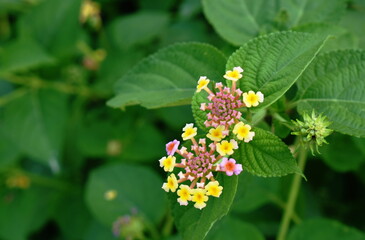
[
  {"x": 319, "y": 229},
  {"x": 199, "y": 115},
  {"x": 273, "y": 62},
  {"x": 54, "y": 24},
  {"x": 309, "y": 11},
  {"x": 193, "y": 223},
  {"x": 132, "y": 185},
  {"x": 333, "y": 85},
  {"x": 341, "y": 154},
  {"x": 266, "y": 156},
  {"x": 234, "y": 229},
  {"x": 25, "y": 211},
  {"x": 35, "y": 123},
  {"x": 168, "y": 77},
  {"x": 22, "y": 55},
  {"x": 138, "y": 28},
  {"x": 237, "y": 21}
]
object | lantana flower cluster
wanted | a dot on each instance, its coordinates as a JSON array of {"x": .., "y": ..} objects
[{"x": 198, "y": 165}]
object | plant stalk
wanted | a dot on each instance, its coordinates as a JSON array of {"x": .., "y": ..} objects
[{"x": 293, "y": 195}]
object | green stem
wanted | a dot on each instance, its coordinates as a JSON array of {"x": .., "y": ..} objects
[{"x": 294, "y": 190}]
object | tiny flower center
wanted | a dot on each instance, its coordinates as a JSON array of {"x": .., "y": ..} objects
[
  {"x": 253, "y": 98},
  {"x": 229, "y": 166},
  {"x": 243, "y": 131}
]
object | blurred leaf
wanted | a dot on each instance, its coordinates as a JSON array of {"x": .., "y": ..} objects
[
  {"x": 35, "y": 123},
  {"x": 54, "y": 24},
  {"x": 258, "y": 192},
  {"x": 138, "y": 28},
  {"x": 190, "y": 8},
  {"x": 360, "y": 143},
  {"x": 132, "y": 185},
  {"x": 73, "y": 226},
  {"x": 237, "y": 21},
  {"x": 319, "y": 229},
  {"x": 157, "y": 4},
  {"x": 301, "y": 12},
  {"x": 25, "y": 211},
  {"x": 342, "y": 38},
  {"x": 266, "y": 156},
  {"x": 341, "y": 154},
  {"x": 22, "y": 55},
  {"x": 168, "y": 77},
  {"x": 176, "y": 117},
  {"x": 355, "y": 16},
  {"x": 333, "y": 85},
  {"x": 273, "y": 62},
  {"x": 97, "y": 231},
  {"x": 233, "y": 228},
  {"x": 9, "y": 153},
  {"x": 193, "y": 223}
]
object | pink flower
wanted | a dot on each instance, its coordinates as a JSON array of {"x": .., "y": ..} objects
[
  {"x": 230, "y": 167},
  {"x": 171, "y": 147}
]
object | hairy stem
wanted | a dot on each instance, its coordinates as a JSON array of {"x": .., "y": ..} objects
[{"x": 293, "y": 195}]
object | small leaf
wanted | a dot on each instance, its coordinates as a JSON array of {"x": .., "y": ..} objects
[
  {"x": 266, "y": 156},
  {"x": 169, "y": 77},
  {"x": 273, "y": 62},
  {"x": 132, "y": 184},
  {"x": 319, "y": 229},
  {"x": 194, "y": 224},
  {"x": 333, "y": 85},
  {"x": 235, "y": 229},
  {"x": 35, "y": 123}
]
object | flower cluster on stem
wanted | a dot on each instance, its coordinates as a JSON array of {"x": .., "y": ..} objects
[{"x": 197, "y": 165}]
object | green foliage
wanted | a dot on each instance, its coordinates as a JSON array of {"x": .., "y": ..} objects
[
  {"x": 273, "y": 62},
  {"x": 168, "y": 77},
  {"x": 266, "y": 156},
  {"x": 128, "y": 182},
  {"x": 332, "y": 86},
  {"x": 317, "y": 229},
  {"x": 194, "y": 223}
]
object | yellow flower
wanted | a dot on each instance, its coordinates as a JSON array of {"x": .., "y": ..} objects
[
  {"x": 216, "y": 134},
  {"x": 234, "y": 75},
  {"x": 213, "y": 189},
  {"x": 184, "y": 194},
  {"x": 226, "y": 148},
  {"x": 171, "y": 183},
  {"x": 168, "y": 163},
  {"x": 252, "y": 99},
  {"x": 202, "y": 83},
  {"x": 199, "y": 197},
  {"x": 110, "y": 195},
  {"x": 243, "y": 131},
  {"x": 189, "y": 131}
]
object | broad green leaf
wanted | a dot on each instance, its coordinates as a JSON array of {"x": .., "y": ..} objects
[
  {"x": 233, "y": 228},
  {"x": 194, "y": 224},
  {"x": 199, "y": 115},
  {"x": 341, "y": 153},
  {"x": 266, "y": 156},
  {"x": 35, "y": 123},
  {"x": 273, "y": 62},
  {"x": 22, "y": 55},
  {"x": 319, "y": 229},
  {"x": 24, "y": 211},
  {"x": 168, "y": 77},
  {"x": 333, "y": 85},
  {"x": 138, "y": 28},
  {"x": 133, "y": 185},
  {"x": 309, "y": 11},
  {"x": 9, "y": 153},
  {"x": 54, "y": 24},
  {"x": 340, "y": 38},
  {"x": 351, "y": 16},
  {"x": 237, "y": 21},
  {"x": 255, "y": 192}
]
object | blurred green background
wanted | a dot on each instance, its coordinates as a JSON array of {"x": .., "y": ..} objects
[{"x": 70, "y": 166}]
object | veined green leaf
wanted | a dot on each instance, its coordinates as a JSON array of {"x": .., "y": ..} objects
[
  {"x": 266, "y": 156},
  {"x": 318, "y": 229},
  {"x": 169, "y": 77},
  {"x": 194, "y": 224},
  {"x": 333, "y": 85},
  {"x": 273, "y": 62}
]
